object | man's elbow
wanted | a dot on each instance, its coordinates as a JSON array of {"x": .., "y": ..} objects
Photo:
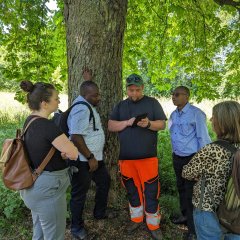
[
  {"x": 162, "y": 125},
  {"x": 110, "y": 126}
]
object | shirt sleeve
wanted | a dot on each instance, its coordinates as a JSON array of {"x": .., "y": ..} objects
[
  {"x": 115, "y": 113},
  {"x": 51, "y": 130},
  {"x": 201, "y": 129},
  {"x": 158, "y": 111},
  {"x": 78, "y": 120},
  {"x": 196, "y": 165}
]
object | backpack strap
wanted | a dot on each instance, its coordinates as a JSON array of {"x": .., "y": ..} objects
[
  {"x": 91, "y": 112},
  {"x": 19, "y": 134},
  {"x": 45, "y": 161},
  {"x": 223, "y": 143}
]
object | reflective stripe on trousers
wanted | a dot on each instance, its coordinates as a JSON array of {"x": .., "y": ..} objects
[
  {"x": 153, "y": 220},
  {"x": 140, "y": 178},
  {"x": 136, "y": 213}
]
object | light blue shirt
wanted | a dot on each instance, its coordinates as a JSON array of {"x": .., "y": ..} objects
[
  {"x": 78, "y": 123},
  {"x": 188, "y": 130}
]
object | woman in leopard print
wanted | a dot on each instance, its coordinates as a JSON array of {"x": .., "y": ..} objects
[{"x": 213, "y": 162}]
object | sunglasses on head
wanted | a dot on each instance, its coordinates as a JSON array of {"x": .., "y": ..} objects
[
  {"x": 177, "y": 94},
  {"x": 133, "y": 79}
]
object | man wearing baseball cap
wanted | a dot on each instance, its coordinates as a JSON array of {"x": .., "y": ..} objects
[{"x": 137, "y": 120}]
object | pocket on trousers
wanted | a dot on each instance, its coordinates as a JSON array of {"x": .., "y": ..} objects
[{"x": 152, "y": 188}]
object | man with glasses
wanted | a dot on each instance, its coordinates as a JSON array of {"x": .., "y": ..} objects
[
  {"x": 137, "y": 120},
  {"x": 187, "y": 125}
]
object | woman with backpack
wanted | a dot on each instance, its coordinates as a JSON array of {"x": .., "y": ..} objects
[
  {"x": 211, "y": 167},
  {"x": 47, "y": 197}
]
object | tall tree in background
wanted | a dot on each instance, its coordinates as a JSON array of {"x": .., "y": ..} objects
[{"x": 94, "y": 32}]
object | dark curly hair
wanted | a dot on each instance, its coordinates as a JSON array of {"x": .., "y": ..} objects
[{"x": 37, "y": 93}]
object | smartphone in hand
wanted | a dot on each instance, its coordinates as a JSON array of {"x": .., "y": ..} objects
[{"x": 139, "y": 118}]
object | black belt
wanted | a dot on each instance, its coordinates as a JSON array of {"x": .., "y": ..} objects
[{"x": 183, "y": 156}]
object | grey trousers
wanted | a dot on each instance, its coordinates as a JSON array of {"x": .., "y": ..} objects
[{"x": 47, "y": 202}]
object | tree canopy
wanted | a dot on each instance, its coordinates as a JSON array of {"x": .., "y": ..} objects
[{"x": 193, "y": 43}]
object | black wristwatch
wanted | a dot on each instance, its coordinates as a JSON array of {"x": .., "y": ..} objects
[
  {"x": 90, "y": 156},
  {"x": 149, "y": 125}
]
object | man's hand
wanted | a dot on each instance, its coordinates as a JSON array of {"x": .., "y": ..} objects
[
  {"x": 143, "y": 123},
  {"x": 87, "y": 74},
  {"x": 93, "y": 164},
  {"x": 129, "y": 122}
]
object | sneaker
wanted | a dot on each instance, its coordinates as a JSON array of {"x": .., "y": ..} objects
[
  {"x": 132, "y": 227},
  {"x": 156, "y": 234},
  {"x": 80, "y": 234}
]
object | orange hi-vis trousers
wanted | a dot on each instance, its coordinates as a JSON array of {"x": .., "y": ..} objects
[{"x": 141, "y": 180}]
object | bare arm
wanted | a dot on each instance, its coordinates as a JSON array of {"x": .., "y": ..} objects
[
  {"x": 117, "y": 126},
  {"x": 83, "y": 149},
  {"x": 66, "y": 147},
  {"x": 153, "y": 125}
]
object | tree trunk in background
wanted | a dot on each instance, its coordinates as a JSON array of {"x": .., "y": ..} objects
[{"x": 95, "y": 32}]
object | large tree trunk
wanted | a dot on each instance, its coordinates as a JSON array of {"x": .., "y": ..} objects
[{"x": 95, "y": 32}]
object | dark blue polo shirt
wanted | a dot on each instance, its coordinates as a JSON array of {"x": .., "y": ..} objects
[{"x": 137, "y": 142}]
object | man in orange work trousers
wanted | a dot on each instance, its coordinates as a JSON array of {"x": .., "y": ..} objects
[{"x": 137, "y": 120}]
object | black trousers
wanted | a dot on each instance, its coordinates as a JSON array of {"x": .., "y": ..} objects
[
  {"x": 185, "y": 189},
  {"x": 80, "y": 184}
]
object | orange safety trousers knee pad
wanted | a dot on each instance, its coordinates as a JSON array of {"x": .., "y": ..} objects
[{"x": 141, "y": 180}]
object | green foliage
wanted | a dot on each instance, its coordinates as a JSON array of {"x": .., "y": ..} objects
[
  {"x": 34, "y": 43},
  {"x": 166, "y": 173},
  {"x": 169, "y": 206},
  {"x": 9, "y": 121},
  {"x": 194, "y": 43},
  {"x": 11, "y": 205}
]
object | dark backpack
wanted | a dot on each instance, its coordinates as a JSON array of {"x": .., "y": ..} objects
[
  {"x": 228, "y": 212},
  {"x": 60, "y": 118}
]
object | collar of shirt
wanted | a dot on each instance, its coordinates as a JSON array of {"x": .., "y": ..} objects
[
  {"x": 184, "y": 110},
  {"x": 80, "y": 98}
]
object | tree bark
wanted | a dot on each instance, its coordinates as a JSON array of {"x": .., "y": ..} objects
[{"x": 94, "y": 33}]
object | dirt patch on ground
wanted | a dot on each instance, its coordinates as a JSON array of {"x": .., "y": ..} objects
[{"x": 114, "y": 229}]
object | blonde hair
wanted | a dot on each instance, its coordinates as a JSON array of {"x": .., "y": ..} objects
[{"x": 227, "y": 121}]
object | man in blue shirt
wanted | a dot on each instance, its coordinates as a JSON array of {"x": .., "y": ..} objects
[
  {"x": 86, "y": 132},
  {"x": 187, "y": 125}
]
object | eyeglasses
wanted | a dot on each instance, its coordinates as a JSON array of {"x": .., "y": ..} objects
[{"x": 177, "y": 94}]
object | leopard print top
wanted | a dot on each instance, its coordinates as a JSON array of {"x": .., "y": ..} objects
[{"x": 212, "y": 161}]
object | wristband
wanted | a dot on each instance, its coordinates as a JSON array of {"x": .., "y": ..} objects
[{"x": 149, "y": 125}]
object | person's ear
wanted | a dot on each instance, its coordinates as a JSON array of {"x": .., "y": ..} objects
[{"x": 43, "y": 104}]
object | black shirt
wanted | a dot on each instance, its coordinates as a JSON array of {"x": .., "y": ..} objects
[
  {"x": 137, "y": 142},
  {"x": 38, "y": 141}
]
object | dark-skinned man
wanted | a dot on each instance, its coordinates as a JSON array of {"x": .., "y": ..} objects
[
  {"x": 87, "y": 134},
  {"x": 187, "y": 125}
]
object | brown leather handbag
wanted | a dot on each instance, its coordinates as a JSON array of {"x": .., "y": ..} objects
[{"x": 17, "y": 171}]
